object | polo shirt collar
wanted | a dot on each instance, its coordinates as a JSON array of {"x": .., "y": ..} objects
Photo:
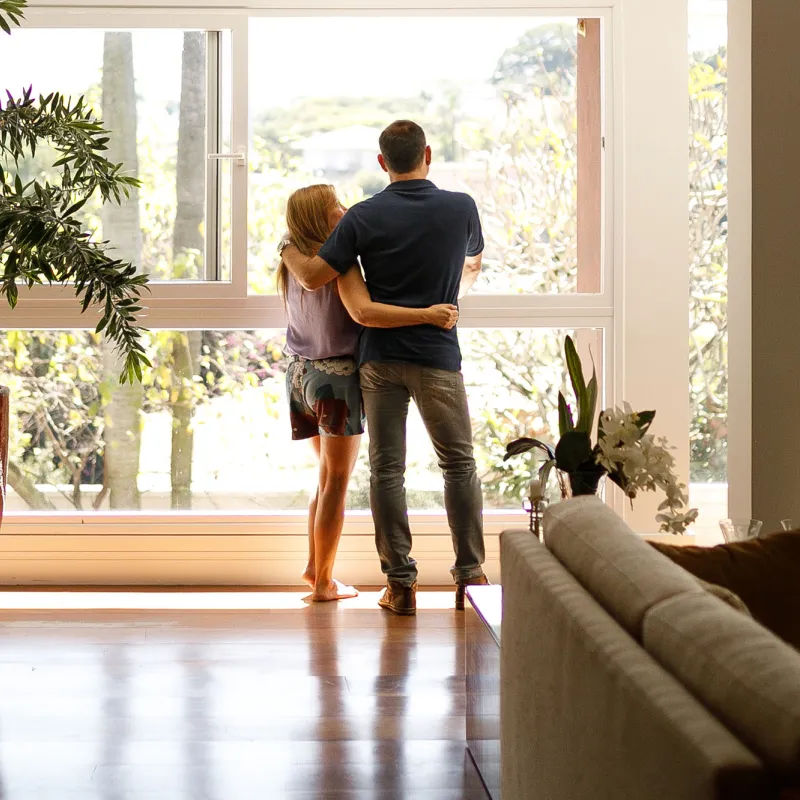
[{"x": 417, "y": 183}]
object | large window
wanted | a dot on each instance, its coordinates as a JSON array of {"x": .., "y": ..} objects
[
  {"x": 220, "y": 130},
  {"x": 499, "y": 101},
  {"x": 218, "y": 438}
]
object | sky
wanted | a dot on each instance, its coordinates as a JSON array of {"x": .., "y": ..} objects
[
  {"x": 289, "y": 57},
  {"x": 299, "y": 57},
  {"x": 375, "y": 56}
]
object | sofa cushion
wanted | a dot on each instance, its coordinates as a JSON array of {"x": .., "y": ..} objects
[
  {"x": 762, "y": 572},
  {"x": 618, "y": 567},
  {"x": 747, "y": 676}
]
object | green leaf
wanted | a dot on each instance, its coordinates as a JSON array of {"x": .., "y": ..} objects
[
  {"x": 644, "y": 419},
  {"x": 75, "y": 207},
  {"x": 545, "y": 470},
  {"x": 573, "y": 450},
  {"x": 575, "y": 369},
  {"x": 565, "y": 423},
  {"x": 587, "y": 412},
  {"x": 87, "y": 299},
  {"x": 523, "y": 445}
]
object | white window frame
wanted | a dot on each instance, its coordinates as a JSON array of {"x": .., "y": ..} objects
[
  {"x": 740, "y": 251},
  {"x": 644, "y": 241}
]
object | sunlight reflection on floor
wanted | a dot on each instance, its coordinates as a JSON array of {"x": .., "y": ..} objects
[{"x": 199, "y": 600}]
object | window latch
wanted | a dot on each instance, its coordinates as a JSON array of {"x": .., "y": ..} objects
[{"x": 239, "y": 157}]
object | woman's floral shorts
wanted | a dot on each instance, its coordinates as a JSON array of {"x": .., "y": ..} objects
[{"x": 324, "y": 397}]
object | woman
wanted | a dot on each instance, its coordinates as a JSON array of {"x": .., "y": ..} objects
[{"x": 322, "y": 378}]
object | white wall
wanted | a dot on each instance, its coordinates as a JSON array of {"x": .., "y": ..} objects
[
  {"x": 654, "y": 323},
  {"x": 740, "y": 243}
]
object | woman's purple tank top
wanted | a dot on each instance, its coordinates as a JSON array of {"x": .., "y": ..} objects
[{"x": 319, "y": 325}]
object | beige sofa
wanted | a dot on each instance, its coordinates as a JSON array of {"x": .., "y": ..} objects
[{"x": 623, "y": 679}]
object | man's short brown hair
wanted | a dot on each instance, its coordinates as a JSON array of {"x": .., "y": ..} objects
[{"x": 403, "y": 146}]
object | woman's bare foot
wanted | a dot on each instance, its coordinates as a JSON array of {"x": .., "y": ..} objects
[
  {"x": 335, "y": 590},
  {"x": 308, "y": 577}
]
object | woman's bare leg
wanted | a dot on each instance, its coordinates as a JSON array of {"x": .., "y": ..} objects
[
  {"x": 337, "y": 459},
  {"x": 309, "y": 576}
]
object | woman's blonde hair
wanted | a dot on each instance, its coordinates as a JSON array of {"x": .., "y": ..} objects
[{"x": 307, "y": 220}]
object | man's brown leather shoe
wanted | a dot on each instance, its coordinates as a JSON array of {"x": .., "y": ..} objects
[
  {"x": 461, "y": 589},
  {"x": 399, "y": 599}
]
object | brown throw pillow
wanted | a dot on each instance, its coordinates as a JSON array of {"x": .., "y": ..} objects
[{"x": 764, "y": 573}]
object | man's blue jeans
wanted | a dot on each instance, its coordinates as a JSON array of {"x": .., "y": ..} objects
[{"x": 387, "y": 387}]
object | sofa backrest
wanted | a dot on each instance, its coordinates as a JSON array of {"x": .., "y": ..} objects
[
  {"x": 746, "y": 675},
  {"x": 587, "y": 712},
  {"x": 619, "y": 569}
]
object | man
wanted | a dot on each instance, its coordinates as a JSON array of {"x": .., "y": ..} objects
[{"x": 418, "y": 245}]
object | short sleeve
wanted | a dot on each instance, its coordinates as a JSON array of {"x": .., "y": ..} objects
[
  {"x": 341, "y": 250},
  {"x": 475, "y": 234},
  {"x": 284, "y": 243}
]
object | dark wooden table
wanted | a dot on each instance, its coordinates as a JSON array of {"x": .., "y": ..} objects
[{"x": 483, "y": 616}]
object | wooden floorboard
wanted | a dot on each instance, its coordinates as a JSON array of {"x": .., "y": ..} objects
[{"x": 142, "y": 697}]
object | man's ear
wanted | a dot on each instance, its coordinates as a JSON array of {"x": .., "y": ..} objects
[
  {"x": 427, "y": 155},
  {"x": 382, "y": 162}
]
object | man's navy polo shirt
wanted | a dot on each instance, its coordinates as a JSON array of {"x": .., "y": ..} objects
[{"x": 412, "y": 239}]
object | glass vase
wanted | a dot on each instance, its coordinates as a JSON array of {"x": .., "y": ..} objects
[{"x": 740, "y": 530}]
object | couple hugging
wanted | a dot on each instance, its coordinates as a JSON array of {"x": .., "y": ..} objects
[{"x": 420, "y": 248}]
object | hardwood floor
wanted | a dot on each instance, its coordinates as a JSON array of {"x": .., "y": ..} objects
[{"x": 230, "y": 696}]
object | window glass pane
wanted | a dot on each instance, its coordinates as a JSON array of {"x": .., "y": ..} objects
[
  {"x": 157, "y": 111},
  {"x": 708, "y": 252},
  {"x": 209, "y": 430},
  {"x": 513, "y": 378},
  {"x": 499, "y": 100}
]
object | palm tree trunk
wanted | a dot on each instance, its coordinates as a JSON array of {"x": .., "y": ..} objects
[
  {"x": 188, "y": 235},
  {"x": 122, "y": 226},
  {"x": 5, "y": 415}
]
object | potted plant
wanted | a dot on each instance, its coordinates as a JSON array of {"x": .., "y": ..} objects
[
  {"x": 624, "y": 450},
  {"x": 41, "y": 237}
]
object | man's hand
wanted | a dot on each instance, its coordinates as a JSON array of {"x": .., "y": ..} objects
[
  {"x": 311, "y": 272},
  {"x": 472, "y": 268},
  {"x": 360, "y": 306},
  {"x": 442, "y": 316}
]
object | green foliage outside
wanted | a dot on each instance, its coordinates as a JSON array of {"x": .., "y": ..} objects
[{"x": 708, "y": 254}]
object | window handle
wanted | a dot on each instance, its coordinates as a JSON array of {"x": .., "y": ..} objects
[{"x": 239, "y": 157}]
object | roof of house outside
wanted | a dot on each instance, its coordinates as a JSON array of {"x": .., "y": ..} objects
[{"x": 354, "y": 137}]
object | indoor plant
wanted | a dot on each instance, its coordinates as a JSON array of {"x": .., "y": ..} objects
[{"x": 624, "y": 450}]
